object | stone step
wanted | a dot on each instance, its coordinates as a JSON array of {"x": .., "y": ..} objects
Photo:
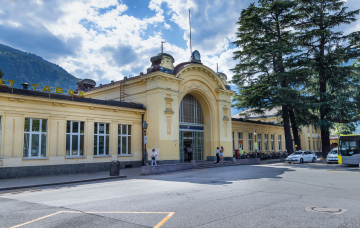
[{"x": 214, "y": 165}]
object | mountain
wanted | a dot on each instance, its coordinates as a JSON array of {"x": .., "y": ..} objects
[{"x": 23, "y": 67}]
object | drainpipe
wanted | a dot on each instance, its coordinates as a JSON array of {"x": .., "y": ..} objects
[{"x": 142, "y": 140}]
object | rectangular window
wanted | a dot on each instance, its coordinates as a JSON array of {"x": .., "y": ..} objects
[
  {"x": 266, "y": 142},
  {"x": 272, "y": 142},
  {"x": 233, "y": 140},
  {"x": 309, "y": 145},
  {"x": 250, "y": 142},
  {"x": 74, "y": 138},
  {"x": 124, "y": 139},
  {"x": 314, "y": 145},
  {"x": 279, "y": 142},
  {"x": 241, "y": 143},
  {"x": 35, "y": 133},
  {"x": 101, "y": 139},
  {"x": 259, "y": 142}
]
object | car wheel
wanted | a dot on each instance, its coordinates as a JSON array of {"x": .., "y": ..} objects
[
  {"x": 301, "y": 160},
  {"x": 313, "y": 160}
]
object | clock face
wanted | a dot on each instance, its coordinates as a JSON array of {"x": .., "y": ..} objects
[{"x": 196, "y": 55}]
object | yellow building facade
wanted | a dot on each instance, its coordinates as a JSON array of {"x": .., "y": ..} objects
[{"x": 187, "y": 106}]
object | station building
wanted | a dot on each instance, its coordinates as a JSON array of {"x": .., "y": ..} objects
[{"x": 187, "y": 105}]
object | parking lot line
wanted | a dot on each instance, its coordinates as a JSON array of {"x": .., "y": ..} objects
[{"x": 162, "y": 222}]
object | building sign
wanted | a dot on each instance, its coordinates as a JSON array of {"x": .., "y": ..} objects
[
  {"x": 240, "y": 142},
  {"x": 145, "y": 140},
  {"x": 46, "y": 88},
  {"x": 198, "y": 128}
]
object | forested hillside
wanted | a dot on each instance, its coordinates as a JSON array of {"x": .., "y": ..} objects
[{"x": 25, "y": 67}]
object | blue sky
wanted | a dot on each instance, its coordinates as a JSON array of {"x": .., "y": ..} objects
[{"x": 107, "y": 40}]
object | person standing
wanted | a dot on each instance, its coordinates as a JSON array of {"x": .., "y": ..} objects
[
  {"x": 217, "y": 155},
  {"x": 190, "y": 150},
  {"x": 222, "y": 155},
  {"x": 153, "y": 157}
]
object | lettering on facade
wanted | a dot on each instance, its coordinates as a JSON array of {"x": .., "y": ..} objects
[{"x": 46, "y": 88}]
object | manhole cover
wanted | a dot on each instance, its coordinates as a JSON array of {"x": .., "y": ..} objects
[{"x": 335, "y": 211}]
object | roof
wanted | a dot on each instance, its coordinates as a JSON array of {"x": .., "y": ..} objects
[
  {"x": 113, "y": 83},
  {"x": 55, "y": 96},
  {"x": 267, "y": 113},
  {"x": 255, "y": 122}
]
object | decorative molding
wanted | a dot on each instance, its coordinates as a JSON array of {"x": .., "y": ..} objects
[{"x": 169, "y": 111}]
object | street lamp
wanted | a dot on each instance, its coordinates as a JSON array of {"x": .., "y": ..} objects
[
  {"x": 255, "y": 143},
  {"x": 144, "y": 126}
]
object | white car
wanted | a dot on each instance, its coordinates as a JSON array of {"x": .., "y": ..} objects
[
  {"x": 332, "y": 156},
  {"x": 302, "y": 156}
]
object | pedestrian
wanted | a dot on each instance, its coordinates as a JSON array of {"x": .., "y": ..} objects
[
  {"x": 153, "y": 157},
  {"x": 146, "y": 158},
  {"x": 217, "y": 155},
  {"x": 222, "y": 154},
  {"x": 190, "y": 153}
]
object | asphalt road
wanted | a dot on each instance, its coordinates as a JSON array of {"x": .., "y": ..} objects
[{"x": 273, "y": 195}]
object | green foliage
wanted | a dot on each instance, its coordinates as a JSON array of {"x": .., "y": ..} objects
[
  {"x": 25, "y": 67},
  {"x": 344, "y": 129}
]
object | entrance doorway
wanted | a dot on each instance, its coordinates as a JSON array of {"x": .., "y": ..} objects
[
  {"x": 191, "y": 146},
  {"x": 191, "y": 129}
]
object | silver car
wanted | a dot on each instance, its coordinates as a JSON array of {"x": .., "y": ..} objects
[
  {"x": 302, "y": 156},
  {"x": 332, "y": 156}
]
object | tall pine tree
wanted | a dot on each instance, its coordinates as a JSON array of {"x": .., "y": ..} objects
[
  {"x": 267, "y": 74},
  {"x": 335, "y": 87}
]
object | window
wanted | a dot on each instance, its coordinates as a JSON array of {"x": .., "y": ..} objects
[
  {"x": 35, "y": 138},
  {"x": 191, "y": 110},
  {"x": 279, "y": 142},
  {"x": 314, "y": 145},
  {"x": 309, "y": 145},
  {"x": 124, "y": 139},
  {"x": 272, "y": 142},
  {"x": 240, "y": 137},
  {"x": 308, "y": 128},
  {"x": 266, "y": 142},
  {"x": 250, "y": 142},
  {"x": 75, "y": 138},
  {"x": 259, "y": 142},
  {"x": 101, "y": 139}
]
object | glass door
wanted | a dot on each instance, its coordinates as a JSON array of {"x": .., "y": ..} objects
[
  {"x": 198, "y": 146},
  {"x": 181, "y": 146}
]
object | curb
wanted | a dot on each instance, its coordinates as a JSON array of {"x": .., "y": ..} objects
[{"x": 60, "y": 183}]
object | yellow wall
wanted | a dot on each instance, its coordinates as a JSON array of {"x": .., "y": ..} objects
[{"x": 15, "y": 108}]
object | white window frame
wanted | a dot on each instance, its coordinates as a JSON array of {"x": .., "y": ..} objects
[
  {"x": 251, "y": 146},
  {"x": 79, "y": 134},
  {"x": 279, "y": 142},
  {"x": 266, "y": 142},
  {"x": 259, "y": 142},
  {"x": 31, "y": 133},
  {"x": 272, "y": 143},
  {"x": 120, "y": 138},
  {"x": 97, "y": 135},
  {"x": 240, "y": 137}
]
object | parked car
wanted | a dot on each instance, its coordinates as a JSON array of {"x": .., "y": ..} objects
[
  {"x": 302, "y": 156},
  {"x": 332, "y": 156}
]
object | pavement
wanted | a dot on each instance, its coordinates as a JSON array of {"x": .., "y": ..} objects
[
  {"x": 32, "y": 182},
  {"x": 39, "y": 181}
]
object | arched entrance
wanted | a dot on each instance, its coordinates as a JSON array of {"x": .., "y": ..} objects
[{"x": 191, "y": 129}]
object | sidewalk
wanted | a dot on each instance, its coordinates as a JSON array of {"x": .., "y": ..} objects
[{"x": 39, "y": 181}]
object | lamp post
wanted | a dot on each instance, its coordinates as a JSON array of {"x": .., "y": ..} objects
[
  {"x": 144, "y": 126},
  {"x": 255, "y": 143}
]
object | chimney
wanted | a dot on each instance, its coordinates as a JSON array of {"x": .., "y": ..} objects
[{"x": 25, "y": 86}]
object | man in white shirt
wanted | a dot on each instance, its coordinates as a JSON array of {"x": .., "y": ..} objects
[{"x": 153, "y": 157}]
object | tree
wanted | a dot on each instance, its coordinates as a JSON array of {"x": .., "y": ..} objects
[
  {"x": 335, "y": 88},
  {"x": 267, "y": 72},
  {"x": 344, "y": 129}
]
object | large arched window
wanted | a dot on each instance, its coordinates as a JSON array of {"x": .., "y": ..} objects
[{"x": 191, "y": 111}]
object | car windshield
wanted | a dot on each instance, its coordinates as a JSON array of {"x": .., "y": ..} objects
[
  {"x": 333, "y": 152},
  {"x": 298, "y": 153}
]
